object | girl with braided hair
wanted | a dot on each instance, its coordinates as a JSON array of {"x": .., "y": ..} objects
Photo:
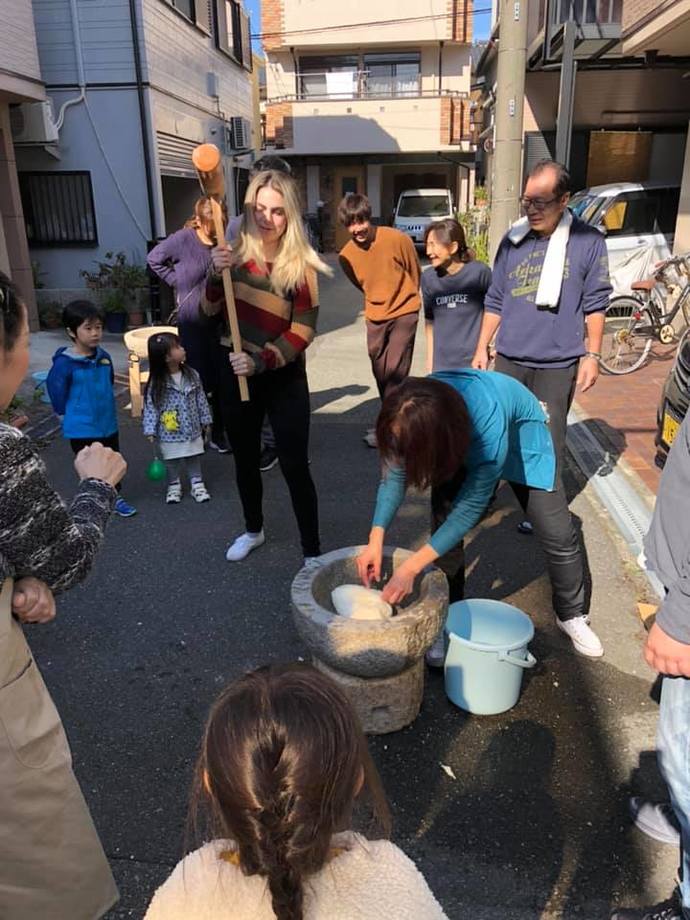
[{"x": 283, "y": 768}]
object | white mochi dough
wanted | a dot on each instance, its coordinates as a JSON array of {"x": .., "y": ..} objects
[{"x": 360, "y": 603}]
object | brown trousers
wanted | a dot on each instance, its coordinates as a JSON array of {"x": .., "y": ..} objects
[
  {"x": 52, "y": 864},
  {"x": 390, "y": 344}
]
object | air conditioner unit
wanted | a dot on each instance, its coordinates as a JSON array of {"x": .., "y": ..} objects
[
  {"x": 33, "y": 123},
  {"x": 240, "y": 133}
]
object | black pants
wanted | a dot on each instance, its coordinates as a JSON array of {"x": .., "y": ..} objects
[
  {"x": 390, "y": 344},
  {"x": 548, "y": 511},
  {"x": 282, "y": 395},
  {"x": 200, "y": 339},
  {"x": 112, "y": 441}
]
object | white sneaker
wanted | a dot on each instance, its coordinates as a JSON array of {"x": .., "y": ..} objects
[
  {"x": 370, "y": 438},
  {"x": 436, "y": 655},
  {"x": 199, "y": 491},
  {"x": 173, "y": 495},
  {"x": 310, "y": 562},
  {"x": 584, "y": 639},
  {"x": 243, "y": 546}
]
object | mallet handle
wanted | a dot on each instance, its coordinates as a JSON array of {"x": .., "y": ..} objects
[{"x": 235, "y": 334}]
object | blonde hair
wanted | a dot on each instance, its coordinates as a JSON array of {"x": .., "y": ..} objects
[{"x": 294, "y": 256}]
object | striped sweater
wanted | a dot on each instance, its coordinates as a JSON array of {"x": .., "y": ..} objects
[
  {"x": 275, "y": 330},
  {"x": 39, "y": 535}
]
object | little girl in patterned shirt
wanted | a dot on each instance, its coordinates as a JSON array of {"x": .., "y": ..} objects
[{"x": 176, "y": 414}]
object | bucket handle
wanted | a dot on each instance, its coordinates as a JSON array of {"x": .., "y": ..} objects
[{"x": 528, "y": 662}]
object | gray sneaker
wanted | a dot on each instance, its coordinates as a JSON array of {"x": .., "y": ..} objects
[
  {"x": 657, "y": 821},
  {"x": 436, "y": 656}
]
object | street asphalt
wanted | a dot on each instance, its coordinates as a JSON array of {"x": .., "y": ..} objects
[{"x": 534, "y": 823}]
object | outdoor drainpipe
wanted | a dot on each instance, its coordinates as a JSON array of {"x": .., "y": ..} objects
[
  {"x": 440, "y": 68},
  {"x": 142, "y": 116}
]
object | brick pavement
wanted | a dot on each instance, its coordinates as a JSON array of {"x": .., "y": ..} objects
[{"x": 623, "y": 414}]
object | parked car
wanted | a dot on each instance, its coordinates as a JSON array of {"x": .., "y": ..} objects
[
  {"x": 419, "y": 207},
  {"x": 632, "y": 215},
  {"x": 675, "y": 397}
]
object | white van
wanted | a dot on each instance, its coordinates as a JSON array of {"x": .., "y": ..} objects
[
  {"x": 419, "y": 207},
  {"x": 632, "y": 216}
]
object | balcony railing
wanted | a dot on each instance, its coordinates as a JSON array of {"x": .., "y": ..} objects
[
  {"x": 356, "y": 84},
  {"x": 584, "y": 12}
]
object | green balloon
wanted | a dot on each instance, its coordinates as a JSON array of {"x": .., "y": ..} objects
[{"x": 156, "y": 470}]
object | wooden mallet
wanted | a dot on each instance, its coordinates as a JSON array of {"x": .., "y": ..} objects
[{"x": 207, "y": 162}]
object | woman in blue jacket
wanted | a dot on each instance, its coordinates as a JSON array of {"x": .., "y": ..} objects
[{"x": 461, "y": 432}]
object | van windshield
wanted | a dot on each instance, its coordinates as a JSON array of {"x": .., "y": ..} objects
[
  {"x": 585, "y": 206},
  {"x": 423, "y": 206}
]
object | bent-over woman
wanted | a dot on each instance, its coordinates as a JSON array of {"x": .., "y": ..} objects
[{"x": 461, "y": 432}]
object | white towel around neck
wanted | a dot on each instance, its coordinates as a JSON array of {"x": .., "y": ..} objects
[{"x": 551, "y": 278}]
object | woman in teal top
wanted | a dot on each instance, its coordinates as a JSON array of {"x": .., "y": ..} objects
[{"x": 461, "y": 432}]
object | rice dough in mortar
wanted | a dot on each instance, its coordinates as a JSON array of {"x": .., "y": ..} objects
[{"x": 360, "y": 603}]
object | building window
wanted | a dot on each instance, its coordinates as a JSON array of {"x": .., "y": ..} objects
[
  {"x": 392, "y": 74},
  {"x": 58, "y": 208},
  {"x": 349, "y": 76},
  {"x": 233, "y": 32},
  {"x": 196, "y": 11},
  {"x": 334, "y": 77}
]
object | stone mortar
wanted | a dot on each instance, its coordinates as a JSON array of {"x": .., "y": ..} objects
[{"x": 367, "y": 648}]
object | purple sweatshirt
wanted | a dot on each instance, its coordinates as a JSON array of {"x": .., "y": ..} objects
[
  {"x": 537, "y": 336},
  {"x": 183, "y": 261}
]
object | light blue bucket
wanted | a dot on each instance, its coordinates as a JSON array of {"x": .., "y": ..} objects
[
  {"x": 41, "y": 390},
  {"x": 486, "y": 655}
]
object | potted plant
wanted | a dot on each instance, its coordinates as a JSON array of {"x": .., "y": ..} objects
[
  {"x": 128, "y": 280},
  {"x": 115, "y": 311},
  {"x": 49, "y": 314}
]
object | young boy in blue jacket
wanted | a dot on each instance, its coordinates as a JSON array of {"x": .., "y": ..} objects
[{"x": 80, "y": 385}]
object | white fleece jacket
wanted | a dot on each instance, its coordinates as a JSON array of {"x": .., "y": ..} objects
[{"x": 371, "y": 878}]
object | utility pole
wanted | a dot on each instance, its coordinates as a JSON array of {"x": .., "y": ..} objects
[{"x": 510, "y": 100}]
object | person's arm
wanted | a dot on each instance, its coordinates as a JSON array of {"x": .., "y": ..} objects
[
  {"x": 493, "y": 307},
  {"x": 596, "y": 292},
  {"x": 390, "y": 496},
  {"x": 393, "y": 886},
  {"x": 202, "y": 403},
  {"x": 429, "y": 333},
  {"x": 150, "y": 416},
  {"x": 58, "y": 383},
  {"x": 39, "y": 536},
  {"x": 162, "y": 258},
  {"x": 410, "y": 260},
  {"x": 349, "y": 272},
  {"x": 428, "y": 306}
]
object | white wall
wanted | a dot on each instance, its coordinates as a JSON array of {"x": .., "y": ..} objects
[
  {"x": 318, "y": 14},
  {"x": 179, "y": 58},
  {"x": 18, "y": 51},
  {"x": 122, "y": 219},
  {"x": 106, "y": 40},
  {"x": 367, "y": 126}
]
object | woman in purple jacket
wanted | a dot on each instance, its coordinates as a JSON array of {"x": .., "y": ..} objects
[{"x": 182, "y": 261}]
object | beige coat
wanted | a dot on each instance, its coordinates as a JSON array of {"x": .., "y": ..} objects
[
  {"x": 52, "y": 865},
  {"x": 367, "y": 879}
]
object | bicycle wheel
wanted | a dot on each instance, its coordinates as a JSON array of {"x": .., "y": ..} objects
[{"x": 628, "y": 335}]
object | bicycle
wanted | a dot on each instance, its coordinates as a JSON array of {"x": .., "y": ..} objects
[{"x": 633, "y": 321}]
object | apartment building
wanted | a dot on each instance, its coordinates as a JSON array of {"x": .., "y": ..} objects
[
  {"x": 372, "y": 99},
  {"x": 628, "y": 113},
  {"x": 134, "y": 86},
  {"x": 661, "y": 32},
  {"x": 20, "y": 82}
]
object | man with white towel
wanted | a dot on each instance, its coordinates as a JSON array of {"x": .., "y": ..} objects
[{"x": 549, "y": 290}]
